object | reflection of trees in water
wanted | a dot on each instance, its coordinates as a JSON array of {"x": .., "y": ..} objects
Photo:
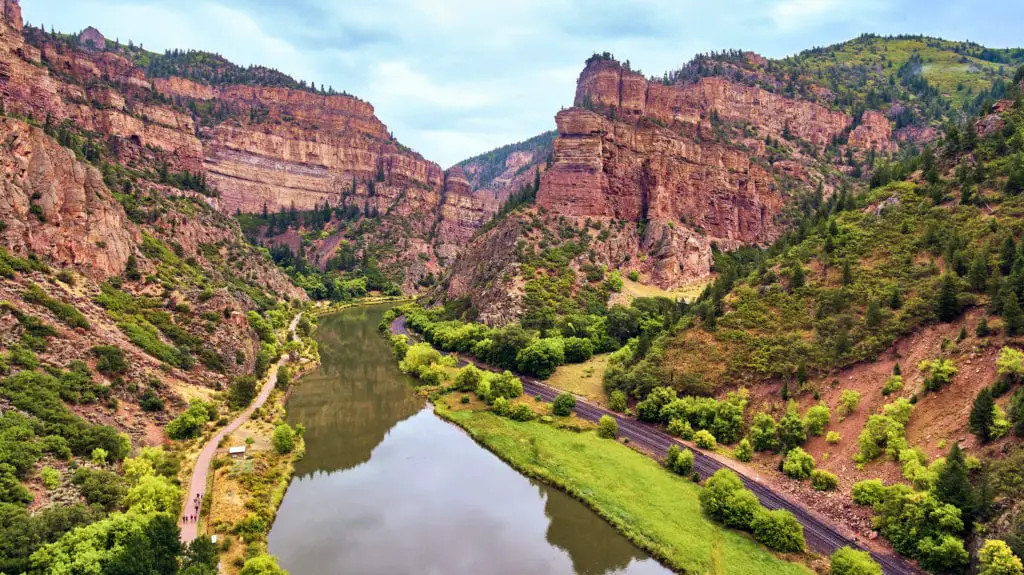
[
  {"x": 593, "y": 545},
  {"x": 356, "y": 395}
]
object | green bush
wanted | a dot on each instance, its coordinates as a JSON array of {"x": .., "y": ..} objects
[
  {"x": 816, "y": 418},
  {"x": 577, "y": 349},
  {"x": 848, "y": 402},
  {"x": 779, "y": 530},
  {"x": 680, "y": 428},
  {"x": 892, "y": 385},
  {"x": 191, "y": 421},
  {"x": 419, "y": 355},
  {"x": 99, "y": 487},
  {"x": 283, "y": 438},
  {"x": 468, "y": 378},
  {"x": 110, "y": 360},
  {"x": 764, "y": 432},
  {"x": 400, "y": 345},
  {"x": 617, "y": 401},
  {"x": 704, "y": 439},
  {"x": 996, "y": 558},
  {"x": 520, "y": 412},
  {"x": 744, "y": 452},
  {"x": 718, "y": 489},
  {"x": 740, "y": 509},
  {"x": 798, "y": 464},
  {"x": 607, "y": 427},
  {"x": 563, "y": 404},
  {"x": 542, "y": 357},
  {"x": 242, "y": 391},
  {"x": 823, "y": 480},
  {"x": 501, "y": 406},
  {"x": 833, "y": 437},
  {"x": 868, "y": 492},
  {"x": 847, "y": 561},
  {"x": 504, "y": 385}
]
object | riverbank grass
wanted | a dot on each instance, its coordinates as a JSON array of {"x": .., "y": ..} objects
[{"x": 658, "y": 511}]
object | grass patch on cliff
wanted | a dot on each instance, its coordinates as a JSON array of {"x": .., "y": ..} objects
[{"x": 655, "y": 509}]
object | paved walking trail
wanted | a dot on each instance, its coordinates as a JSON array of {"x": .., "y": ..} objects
[{"x": 197, "y": 486}]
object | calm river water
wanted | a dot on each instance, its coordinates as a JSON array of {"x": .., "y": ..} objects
[{"x": 386, "y": 487}]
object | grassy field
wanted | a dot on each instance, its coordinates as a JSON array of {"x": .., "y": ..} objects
[
  {"x": 688, "y": 292},
  {"x": 583, "y": 379},
  {"x": 658, "y": 511}
]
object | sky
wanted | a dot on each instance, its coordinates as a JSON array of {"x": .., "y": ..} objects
[{"x": 455, "y": 78}]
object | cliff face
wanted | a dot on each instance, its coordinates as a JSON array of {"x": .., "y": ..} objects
[
  {"x": 58, "y": 208},
  {"x": 257, "y": 146},
  {"x": 667, "y": 171}
]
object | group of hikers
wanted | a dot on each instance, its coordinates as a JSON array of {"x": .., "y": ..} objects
[{"x": 194, "y": 518}]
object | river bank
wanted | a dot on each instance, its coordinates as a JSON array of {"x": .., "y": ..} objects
[{"x": 656, "y": 510}]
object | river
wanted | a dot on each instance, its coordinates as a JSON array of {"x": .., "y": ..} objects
[{"x": 387, "y": 487}]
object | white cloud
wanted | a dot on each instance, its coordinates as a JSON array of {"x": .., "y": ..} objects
[
  {"x": 397, "y": 80},
  {"x": 793, "y": 14}
]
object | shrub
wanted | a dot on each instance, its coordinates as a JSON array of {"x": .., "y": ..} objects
[
  {"x": 468, "y": 378},
  {"x": 607, "y": 427},
  {"x": 504, "y": 385},
  {"x": 50, "y": 477},
  {"x": 483, "y": 389},
  {"x": 823, "y": 480},
  {"x": 763, "y": 432},
  {"x": 564, "y": 404},
  {"x": 714, "y": 498},
  {"x": 744, "y": 452},
  {"x": 704, "y": 440},
  {"x": 520, "y": 412},
  {"x": 577, "y": 349},
  {"x": 417, "y": 356},
  {"x": 997, "y": 558},
  {"x": 190, "y": 423},
  {"x": 242, "y": 391},
  {"x": 680, "y": 428},
  {"x": 868, "y": 492},
  {"x": 939, "y": 373},
  {"x": 740, "y": 509},
  {"x": 617, "y": 401},
  {"x": 679, "y": 461},
  {"x": 833, "y": 437},
  {"x": 798, "y": 464},
  {"x": 110, "y": 360},
  {"x": 892, "y": 385},
  {"x": 284, "y": 377},
  {"x": 847, "y": 561},
  {"x": 283, "y": 438},
  {"x": 400, "y": 345},
  {"x": 778, "y": 530},
  {"x": 99, "y": 487},
  {"x": 542, "y": 357},
  {"x": 848, "y": 402},
  {"x": 500, "y": 406},
  {"x": 150, "y": 401},
  {"x": 817, "y": 418}
]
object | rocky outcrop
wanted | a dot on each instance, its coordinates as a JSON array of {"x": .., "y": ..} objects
[
  {"x": 56, "y": 207},
  {"x": 688, "y": 194},
  {"x": 608, "y": 87},
  {"x": 463, "y": 212},
  {"x": 873, "y": 133}
]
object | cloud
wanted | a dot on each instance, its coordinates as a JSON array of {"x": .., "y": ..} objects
[{"x": 453, "y": 78}]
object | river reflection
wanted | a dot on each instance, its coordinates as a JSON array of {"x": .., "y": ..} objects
[{"x": 388, "y": 487}]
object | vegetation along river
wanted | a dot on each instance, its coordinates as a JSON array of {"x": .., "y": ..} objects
[{"x": 388, "y": 487}]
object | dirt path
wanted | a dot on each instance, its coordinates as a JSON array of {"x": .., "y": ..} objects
[
  {"x": 821, "y": 535},
  {"x": 201, "y": 469}
]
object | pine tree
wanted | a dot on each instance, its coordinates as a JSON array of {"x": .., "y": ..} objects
[
  {"x": 978, "y": 275},
  {"x": 1007, "y": 255},
  {"x": 953, "y": 487},
  {"x": 895, "y": 299},
  {"x": 873, "y": 316},
  {"x": 796, "y": 280},
  {"x": 847, "y": 273},
  {"x": 947, "y": 307},
  {"x": 982, "y": 415},
  {"x": 1013, "y": 317},
  {"x": 896, "y": 369},
  {"x": 982, "y": 330}
]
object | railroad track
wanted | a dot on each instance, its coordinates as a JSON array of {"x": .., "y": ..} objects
[{"x": 821, "y": 536}]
